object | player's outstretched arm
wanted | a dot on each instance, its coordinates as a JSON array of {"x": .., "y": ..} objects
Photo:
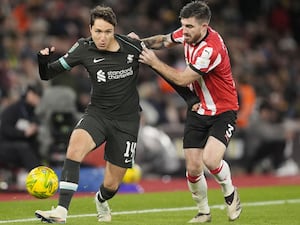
[
  {"x": 158, "y": 41},
  {"x": 181, "y": 78},
  {"x": 155, "y": 42},
  {"x": 44, "y": 57}
]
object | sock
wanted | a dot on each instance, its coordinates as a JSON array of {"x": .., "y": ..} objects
[
  {"x": 223, "y": 176},
  {"x": 229, "y": 198},
  {"x": 68, "y": 182},
  {"x": 198, "y": 186},
  {"x": 105, "y": 194}
]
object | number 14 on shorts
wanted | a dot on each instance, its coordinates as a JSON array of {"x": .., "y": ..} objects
[{"x": 130, "y": 151}]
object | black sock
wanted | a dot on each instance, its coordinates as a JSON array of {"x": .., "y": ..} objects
[
  {"x": 70, "y": 174},
  {"x": 105, "y": 194}
]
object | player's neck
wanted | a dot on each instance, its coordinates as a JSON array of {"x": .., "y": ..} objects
[
  {"x": 114, "y": 46},
  {"x": 203, "y": 36}
]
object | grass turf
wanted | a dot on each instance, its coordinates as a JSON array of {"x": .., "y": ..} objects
[{"x": 261, "y": 206}]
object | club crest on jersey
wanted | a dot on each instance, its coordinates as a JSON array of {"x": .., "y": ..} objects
[
  {"x": 129, "y": 58},
  {"x": 202, "y": 63}
]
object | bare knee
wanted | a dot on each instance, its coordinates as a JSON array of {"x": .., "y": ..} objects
[
  {"x": 194, "y": 167},
  {"x": 75, "y": 154},
  {"x": 77, "y": 151},
  {"x": 213, "y": 153}
]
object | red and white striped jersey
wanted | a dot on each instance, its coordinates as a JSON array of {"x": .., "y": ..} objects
[{"x": 215, "y": 86}]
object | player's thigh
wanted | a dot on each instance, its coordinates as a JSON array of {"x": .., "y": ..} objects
[
  {"x": 80, "y": 144},
  {"x": 95, "y": 127},
  {"x": 213, "y": 153},
  {"x": 193, "y": 161},
  {"x": 223, "y": 126},
  {"x": 86, "y": 136},
  {"x": 196, "y": 131}
]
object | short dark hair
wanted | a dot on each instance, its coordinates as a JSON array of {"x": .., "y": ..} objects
[
  {"x": 103, "y": 12},
  {"x": 198, "y": 9},
  {"x": 36, "y": 88}
]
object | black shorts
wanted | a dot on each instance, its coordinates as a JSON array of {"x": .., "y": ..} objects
[
  {"x": 199, "y": 127},
  {"x": 120, "y": 137}
]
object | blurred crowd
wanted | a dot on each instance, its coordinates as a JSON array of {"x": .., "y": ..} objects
[{"x": 263, "y": 38}]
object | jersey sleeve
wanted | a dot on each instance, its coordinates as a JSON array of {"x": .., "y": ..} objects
[
  {"x": 49, "y": 69},
  {"x": 139, "y": 46},
  {"x": 134, "y": 44},
  {"x": 177, "y": 36},
  {"x": 73, "y": 56}
]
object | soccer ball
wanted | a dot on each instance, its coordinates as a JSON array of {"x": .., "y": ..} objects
[
  {"x": 42, "y": 182},
  {"x": 133, "y": 175}
]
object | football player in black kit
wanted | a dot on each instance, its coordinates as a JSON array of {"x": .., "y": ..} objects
[{"x": 113, "y": 115}]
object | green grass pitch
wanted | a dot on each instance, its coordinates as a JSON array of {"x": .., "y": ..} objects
[{"x": 261, "y": 206}]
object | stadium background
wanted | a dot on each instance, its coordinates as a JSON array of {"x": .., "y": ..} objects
[{"x": 263, "y": 38}]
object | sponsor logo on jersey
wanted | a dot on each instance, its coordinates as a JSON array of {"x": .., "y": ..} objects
[
  {"x": 119, "y": 74},
  {"x": 101, "y": 76},
  {"x": 114, "y": 75}
]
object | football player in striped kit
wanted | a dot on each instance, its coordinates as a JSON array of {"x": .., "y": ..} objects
[{"x": 211, "y": 122}]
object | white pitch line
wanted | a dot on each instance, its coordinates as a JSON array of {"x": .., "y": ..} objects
[{"x": 248, "y": 204}]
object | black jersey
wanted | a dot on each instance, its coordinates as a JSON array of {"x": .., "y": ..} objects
[{"x": 113, "y": 75}]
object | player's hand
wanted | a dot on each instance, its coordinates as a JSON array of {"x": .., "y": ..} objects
[
  {"x": 47, "y": 51},
  {"x": 44, "y": 57},
  {"x": 148, "y": 57},
  {"x": 133, "y": 35}
]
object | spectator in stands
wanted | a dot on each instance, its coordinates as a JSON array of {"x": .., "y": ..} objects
[
  {"x": 19, "y": 129},
  {"x": 265, "y": 139},
  {"x": 247, "y": 100}
]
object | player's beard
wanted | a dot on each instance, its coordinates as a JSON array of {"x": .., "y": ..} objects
[
  {"x": 192, "y": 39},
  {"x": 189, "y": 39}
]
